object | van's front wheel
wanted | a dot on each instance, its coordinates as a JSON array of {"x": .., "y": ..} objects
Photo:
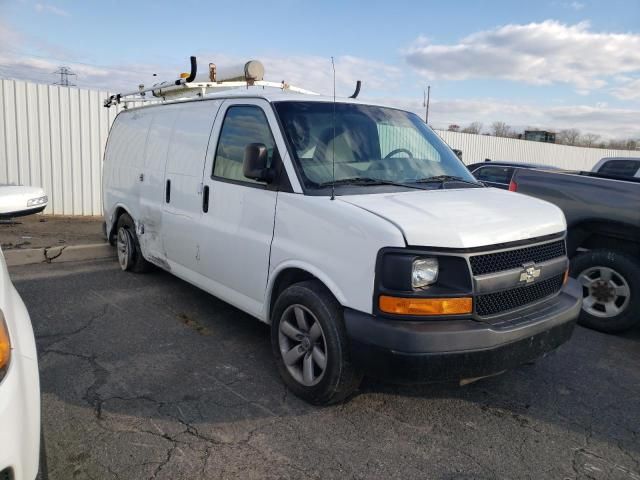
[
  {"x": 310, "y": 345},
  {"x": 129, "y": 253}
]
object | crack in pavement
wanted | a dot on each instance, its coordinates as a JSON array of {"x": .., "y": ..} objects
[
  {"x": 100, "y": 375},
  {"x": 67, "y": 335},
  {"x": 47, "y": 258}
]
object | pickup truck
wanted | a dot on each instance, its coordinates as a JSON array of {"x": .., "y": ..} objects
[
  {"x": 621, "y": 167},
  {"x": 603, "y": 240}
]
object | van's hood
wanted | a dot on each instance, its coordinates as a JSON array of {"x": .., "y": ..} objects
[{"x": 463, "y": 218}]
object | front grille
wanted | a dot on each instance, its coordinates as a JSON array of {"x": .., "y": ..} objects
[
  {"x": 493, "y": 303},
  {"x": 496, "y": 262}
]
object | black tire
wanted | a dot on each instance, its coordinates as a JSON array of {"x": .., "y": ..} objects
[
  {"x": 625, "y": 269},
  {"x": 43, "y": 471},
  {"x": 126, "y": 232},
  {"x": 340, "y": 378}
]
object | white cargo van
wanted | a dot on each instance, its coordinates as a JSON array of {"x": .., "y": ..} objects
[{"x": 351, "y": 228}]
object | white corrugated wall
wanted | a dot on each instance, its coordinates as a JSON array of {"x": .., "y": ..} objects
[
  {"x": 476, "y": 148},
  {"x": 54, "y": 137}
]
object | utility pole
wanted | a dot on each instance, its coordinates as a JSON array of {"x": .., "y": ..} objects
[
  {"x": 425, "y": 103},
  {"x": 65, "y": 73}
]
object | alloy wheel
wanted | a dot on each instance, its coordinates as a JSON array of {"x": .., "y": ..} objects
[
  {"x": 302, "y": 345},
  {"x": 123, "y": 246}
]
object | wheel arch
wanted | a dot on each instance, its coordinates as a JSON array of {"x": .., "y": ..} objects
[
  {"x": 294, "y": 272},
  {"x": 601, "y": 234},
  {"x": 118, "y": 211}
]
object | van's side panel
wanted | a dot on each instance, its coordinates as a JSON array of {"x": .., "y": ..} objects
[
  {"x": 152, "y": 186},
  {"x": 123, "y": 162},
  {"x": 336, "y": 242},
  {"x": 184, "y": 169}
]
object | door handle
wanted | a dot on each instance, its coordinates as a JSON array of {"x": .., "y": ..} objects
[
  {"x": 205, "y": 199},
  {"x": 167, "y": 193}
]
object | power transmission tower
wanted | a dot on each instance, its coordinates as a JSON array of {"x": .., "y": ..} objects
[{"x": 65, "y": 73}]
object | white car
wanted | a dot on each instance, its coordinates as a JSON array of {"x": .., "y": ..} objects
[
  {"x": 20, "y": 200},
  {"x": 19, "y": 386},
  {"x": 351, "y": 228}
]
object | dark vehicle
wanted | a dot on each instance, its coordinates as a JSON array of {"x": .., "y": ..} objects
[
  {"x": 603, "y": 240},
  {"x": 620, "y": 167},
  {"x": 498, "y": 174}
]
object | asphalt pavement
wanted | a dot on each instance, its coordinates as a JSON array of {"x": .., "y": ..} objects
[{"x": 145, "y": 376}]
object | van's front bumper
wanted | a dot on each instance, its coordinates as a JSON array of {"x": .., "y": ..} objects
[{"x": 441, "y": 350}]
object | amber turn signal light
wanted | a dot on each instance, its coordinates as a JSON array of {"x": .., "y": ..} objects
[
  {"x": 566, "y": 277},
  {"x": 5, "y": 345},
  {"x": 425, "y": 306}
]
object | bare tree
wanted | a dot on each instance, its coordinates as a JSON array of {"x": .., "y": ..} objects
[
  {"x": 568, "y": 136},
  {"x": 500, "y": 129},
  {"x": 589, "y": 139},
  {"x": 454, "y": 128},
  {"x": 617, "y": 144},
  {"x": 473, "y": 127}
]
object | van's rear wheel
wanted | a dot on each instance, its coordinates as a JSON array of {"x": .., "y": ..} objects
[
  {"x": 129, "y": 254},
  {"x": 310, "y": 344}
]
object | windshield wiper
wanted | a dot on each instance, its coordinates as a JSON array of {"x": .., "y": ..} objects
[
  {"x": 447, "y": 178},
  {"x": 366, "y": 181}
]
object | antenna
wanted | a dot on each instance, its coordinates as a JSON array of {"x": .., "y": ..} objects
[{"x": 333, "y": 143}]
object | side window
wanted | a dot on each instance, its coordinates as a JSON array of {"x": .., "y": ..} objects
[
  {"x": 242, "y": 125},
  {"x": 494, "y": 174},
  {"x": 620, "y": 168}
]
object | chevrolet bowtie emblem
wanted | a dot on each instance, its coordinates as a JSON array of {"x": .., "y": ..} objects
[{"x": 529, "y": 274}]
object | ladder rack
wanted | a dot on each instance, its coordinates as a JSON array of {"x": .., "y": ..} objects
[{"x": 185, "y": 87}]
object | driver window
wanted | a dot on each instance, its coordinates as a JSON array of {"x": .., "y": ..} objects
[{"x": 242, "y": 125}]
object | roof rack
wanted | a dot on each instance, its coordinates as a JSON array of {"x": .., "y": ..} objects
[{"x": 251, "y": 74}]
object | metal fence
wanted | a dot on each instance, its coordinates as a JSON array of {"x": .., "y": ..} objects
[
  {"x": 477, "y": 148},
  {"x": 54, "y": 137}
]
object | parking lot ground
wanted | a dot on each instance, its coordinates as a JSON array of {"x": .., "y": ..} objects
[
  {"x": 42, "y": 231},
  {"x": 145, "y": 376}
]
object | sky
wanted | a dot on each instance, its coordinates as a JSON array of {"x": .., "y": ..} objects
[{"x": 548, "y": 64}]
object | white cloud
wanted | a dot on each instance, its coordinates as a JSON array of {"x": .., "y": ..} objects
[
  {"x": 630, "y": 90},
  {"x": 536, "y": 53},
  {"x": 576, "y": 5},
  {"x": 315, "y": 73},
  {"x": 48, "y": 8},
  {"x": 309, "y": 72},
  {"x": 112, "y": 78},
  {"x": 599, "y": 118},
  {"x": 8, "y": 36}
]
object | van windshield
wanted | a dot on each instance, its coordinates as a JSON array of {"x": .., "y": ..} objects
[{"x": 371, "y": 146}]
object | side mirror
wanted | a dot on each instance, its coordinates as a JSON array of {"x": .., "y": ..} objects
[{"x": 254, "y": 165}]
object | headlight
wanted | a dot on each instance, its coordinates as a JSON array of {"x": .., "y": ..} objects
[
  {"x": 34, "y": 202},
  {"x": 424, "y": 272},
  {"x": 5, "y": 347}
]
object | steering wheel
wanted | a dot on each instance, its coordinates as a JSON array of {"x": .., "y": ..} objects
[{"x": 398, "y": 150}]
